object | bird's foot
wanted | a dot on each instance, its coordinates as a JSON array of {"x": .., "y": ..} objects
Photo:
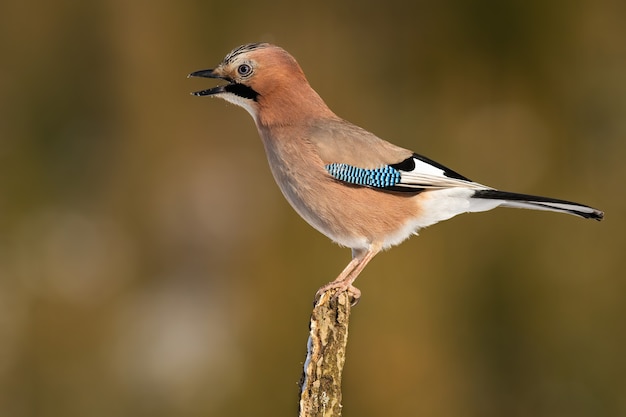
[{"x": 340, "y": 286}]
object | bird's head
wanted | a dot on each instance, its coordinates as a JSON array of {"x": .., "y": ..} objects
[{"x": 265, "y": 80}]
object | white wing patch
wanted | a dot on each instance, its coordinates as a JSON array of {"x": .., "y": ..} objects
[
  {"x": 429, "y": 175},
  {"x": 425, "y": 168}
]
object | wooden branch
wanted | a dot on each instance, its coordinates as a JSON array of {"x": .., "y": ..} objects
[{"x": 320, "y": 394}]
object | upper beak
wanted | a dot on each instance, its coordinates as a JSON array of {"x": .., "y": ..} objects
[{"x": 208, "y": 73}]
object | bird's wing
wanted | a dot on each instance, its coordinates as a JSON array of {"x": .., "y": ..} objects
[
  {"x": 338, "y": 141},
  {"x": 353, "y": 155},
  {"x": 415, "y": 173}
]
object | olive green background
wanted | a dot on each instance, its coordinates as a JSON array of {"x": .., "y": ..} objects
[{"x": 150, "y": 267}]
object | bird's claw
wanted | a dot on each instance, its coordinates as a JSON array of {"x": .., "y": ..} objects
[{"x": 353, "y": 292}]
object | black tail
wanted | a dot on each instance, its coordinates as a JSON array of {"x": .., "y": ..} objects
[{"x": 540, "y": 203}]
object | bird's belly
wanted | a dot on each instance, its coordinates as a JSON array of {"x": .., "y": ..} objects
[{"x": 353, "y": 216}]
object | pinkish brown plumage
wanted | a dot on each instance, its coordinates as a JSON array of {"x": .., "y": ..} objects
[{"x": 357, "y": 189}]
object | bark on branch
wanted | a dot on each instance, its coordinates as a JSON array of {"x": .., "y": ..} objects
[{"x": 320, "y": 393}]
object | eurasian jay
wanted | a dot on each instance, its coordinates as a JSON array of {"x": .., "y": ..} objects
[{"x": 359, "y": 190}]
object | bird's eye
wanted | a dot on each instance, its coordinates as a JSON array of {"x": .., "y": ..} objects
[{"x": 244, "y": 70}]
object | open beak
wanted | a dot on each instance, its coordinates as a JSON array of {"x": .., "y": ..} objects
[
  {"x": 209, "y": 73},
  {"x": 232, "y": 87}
]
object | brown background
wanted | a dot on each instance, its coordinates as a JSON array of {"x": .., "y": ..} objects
[{"x": 150, "y": 267}]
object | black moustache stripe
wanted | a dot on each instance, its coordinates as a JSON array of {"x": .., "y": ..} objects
[{"x": 241, "y": 91}]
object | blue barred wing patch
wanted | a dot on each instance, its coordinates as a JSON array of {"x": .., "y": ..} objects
[{"x": 382, "y": 177}]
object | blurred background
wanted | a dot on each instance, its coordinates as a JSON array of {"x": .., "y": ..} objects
[{"x": 150, "y": 267}]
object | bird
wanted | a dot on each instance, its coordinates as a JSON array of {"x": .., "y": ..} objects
[{"x": 362, "y": 192}]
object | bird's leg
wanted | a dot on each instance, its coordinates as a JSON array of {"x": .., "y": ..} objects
[
  {"x": 339, "y": 282},
  {"x": 360, "y": 258}
]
